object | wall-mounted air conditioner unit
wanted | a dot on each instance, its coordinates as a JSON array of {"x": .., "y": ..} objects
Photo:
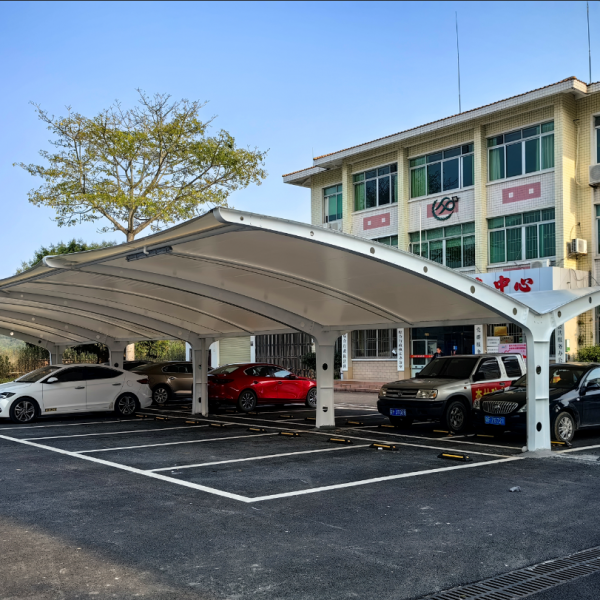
[
  {"x": 595, "y": 175},
  {"x": 538, "y": 264},
  {"x": 578, "y": 246},
  {"x": 337, "y": 225}
]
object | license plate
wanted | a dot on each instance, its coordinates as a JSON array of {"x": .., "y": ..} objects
[
  {"x": 397, "y": 412},
  {"x": 495, "y": 420}
]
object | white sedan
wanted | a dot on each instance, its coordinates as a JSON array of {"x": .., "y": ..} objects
[{"x": 66, "y": 389}]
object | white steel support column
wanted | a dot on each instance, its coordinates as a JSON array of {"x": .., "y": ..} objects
[
  {"x": 200, "y": 376},
  {"x": 538, "y": 390},
  {"x": 115, "y": 355},
  {"x": 54, "y": 354},
  {"x": 325, "y": 350}
]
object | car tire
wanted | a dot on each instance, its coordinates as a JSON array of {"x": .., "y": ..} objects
[
  {"x": 311, "y": 398},
  {"x": 456, "y": 417},
  {"x": 247, "y": 401},
  {"x": 24, "y": 410},
  {"x": 401, "y": 421},
  {"x": 126, "y": 405},
  {"x": 161, "y": 394},
  {"x": 564, "y": 427}
]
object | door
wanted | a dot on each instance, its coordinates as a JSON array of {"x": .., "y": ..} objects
[
  {"x": 68, "y": 394},
  {"x": 287, "y": 389},
  {"x": 421, "y": 353},
  {"x": 179, "y": 377},
  {"x": 266, "y": 383},
  {"x": 590, "y": 401},
  {"x": 103, "y": 387},
  {"x": 488, "y": 378}
]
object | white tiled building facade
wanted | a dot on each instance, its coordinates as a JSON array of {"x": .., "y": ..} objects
[{"x": 500, "y": 188}]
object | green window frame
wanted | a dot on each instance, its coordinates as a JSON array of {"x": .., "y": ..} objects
[
  {"x": 597, "y": 129},
  {"x": 374, "y": 343},
  {"x": 442, "y": 171},
  {"x": 528, "y": 236},
  {"x": 598, "y": 225},
  {"x": 452, "y": 246},
  {"x": 521, "y": 152},
  {"x": 388, "y": 240},
  {"x": 375, "y": 187},
  {"x": 333, "y": 203}
]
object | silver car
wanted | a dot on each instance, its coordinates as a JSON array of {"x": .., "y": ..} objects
[{"x": 446, "y": 388}]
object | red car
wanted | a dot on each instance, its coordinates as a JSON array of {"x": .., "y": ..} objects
[{"x": 249, "y": 384}]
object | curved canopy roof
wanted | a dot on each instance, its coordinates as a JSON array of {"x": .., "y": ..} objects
[{"x": 230, "y": 273}]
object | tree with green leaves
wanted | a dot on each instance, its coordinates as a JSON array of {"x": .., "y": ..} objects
[
  {"x": 145, "y": 167},
  {"x": 61, "y": 248}
]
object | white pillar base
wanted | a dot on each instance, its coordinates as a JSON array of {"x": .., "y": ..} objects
[{"x": 325, "y": 347}]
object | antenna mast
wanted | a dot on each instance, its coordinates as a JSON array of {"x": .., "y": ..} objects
[
  {"x": 589, "y": 45},
  {"x": 458, "y": 57}
]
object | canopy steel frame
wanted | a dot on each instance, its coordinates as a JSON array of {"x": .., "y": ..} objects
[{"x": 230, "y": 273}]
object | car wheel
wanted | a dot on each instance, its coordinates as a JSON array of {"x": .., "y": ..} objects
[
  {"x": 161, "y": 395},
  {"x": 564, "y": 427},
  {"x": 311, "y": 398},
  {"x": 247, "y": 401},
  {"x": 24, "y": 410},
  {"x": 126, "y": 405},
  {"x": 401, "y": 421},
  {"x": 456, "y": 417}
]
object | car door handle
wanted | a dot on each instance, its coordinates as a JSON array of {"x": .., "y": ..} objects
[
  {"x": 80, "y": 387},
  {"x": 171, "y": 378},
  {"x": 279, "y": 382},
  {"x": 116, "y": 384}
]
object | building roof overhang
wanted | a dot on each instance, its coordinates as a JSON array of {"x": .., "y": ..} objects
[{"x": 334, "y": 160}]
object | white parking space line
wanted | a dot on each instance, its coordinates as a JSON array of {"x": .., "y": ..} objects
[
  {"x": 237, "y": 460},
  {"x": 578, "y": 449},
  {"x": 448, "y": 439},
  {"x": 107, "y": 463},
  {"x": 339, "y": 486},
  {"x": 56, "y": 437},
  {"x": 25, "y": 427},
  {"x": 235, "y": 437}
]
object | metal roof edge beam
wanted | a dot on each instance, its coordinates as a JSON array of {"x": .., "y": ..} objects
[{"x": 24, "y": 337}]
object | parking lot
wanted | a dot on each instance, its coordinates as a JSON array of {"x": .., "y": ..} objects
[{"x": 263, "y": 504}]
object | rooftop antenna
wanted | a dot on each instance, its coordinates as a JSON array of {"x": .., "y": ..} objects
[
  {"x": 458, "y": 57},
  {"x": 589, "y": 45}
]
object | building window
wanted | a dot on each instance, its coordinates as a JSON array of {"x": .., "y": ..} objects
[
  {"x": 525, "y": 236},
  {"x": 521, "y": 152},
  {"x": 333, "y": 203},
  {"x": 442, "y": 171},
  {"x": 453, "y": 246},
  {"x": 597, "y": 128},
  {"x": 376, "y": 187},
  {"x": 374, "y": 343},
  {"x": 388, "y": 240}
]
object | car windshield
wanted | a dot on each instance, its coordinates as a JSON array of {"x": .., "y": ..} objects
[
  {"x": 224, "y": 370},
  {"x": 560, "y": 377},
  {"x": 37, "y": 374},
  {"x": 453, "y": 367}
]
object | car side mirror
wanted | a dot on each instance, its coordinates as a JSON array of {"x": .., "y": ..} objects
[
  {"x": 291, "y": 376},
  {"x": 593, "y": 385},
  {"x": 51, "y": 380},
  {"x": 479, "y": 377}
]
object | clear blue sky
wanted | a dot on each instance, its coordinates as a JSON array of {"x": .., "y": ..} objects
[{"x": 297, "y": 78}]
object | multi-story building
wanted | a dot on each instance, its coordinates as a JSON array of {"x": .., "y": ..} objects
[{"x": 499, "y": 192}]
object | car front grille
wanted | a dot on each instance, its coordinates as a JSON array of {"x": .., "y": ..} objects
[
  {"x": 498, "y": 408},
  {"x": 394, "y": 393}
]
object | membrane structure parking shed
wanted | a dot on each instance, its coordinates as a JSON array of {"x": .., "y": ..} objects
[{"x": 230, "y": 273}]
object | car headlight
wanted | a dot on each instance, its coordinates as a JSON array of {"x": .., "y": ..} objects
[
  {"x": 523, "y": 409},
  {"x": 477, "y": 403},
  {"x": 427, "y": 394},
  {"x": 4, "y": 395},
  {"x": 383, "y": 392}
]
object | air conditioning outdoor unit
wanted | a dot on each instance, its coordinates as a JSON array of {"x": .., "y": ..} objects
[
  {"x": 578, "y": 246},
  {"x": 337, "y": 225},
  {"x": 594, "y": 175},
  {"x": 538, "y": 264}
]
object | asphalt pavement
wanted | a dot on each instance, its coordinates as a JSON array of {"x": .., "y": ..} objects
[{"x": 94, "y": 507}]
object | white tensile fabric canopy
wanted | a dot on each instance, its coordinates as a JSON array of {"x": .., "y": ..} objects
[{"x": 230, "y": 273}]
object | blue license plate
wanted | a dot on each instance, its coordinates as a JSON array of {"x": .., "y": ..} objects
[
  {"x": 397, "y": 412},
  {"x": 495, "y": 420}
]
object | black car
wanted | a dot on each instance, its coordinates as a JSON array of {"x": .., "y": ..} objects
[{"x": 574, "y": 402}]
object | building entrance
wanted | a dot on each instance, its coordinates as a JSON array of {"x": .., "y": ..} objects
[{"x": 421, "y": 353}]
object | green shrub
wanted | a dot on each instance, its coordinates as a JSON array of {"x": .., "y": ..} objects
[
  {"x": 589, "y": 354},
  {"x": 5, "y": 369}
]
